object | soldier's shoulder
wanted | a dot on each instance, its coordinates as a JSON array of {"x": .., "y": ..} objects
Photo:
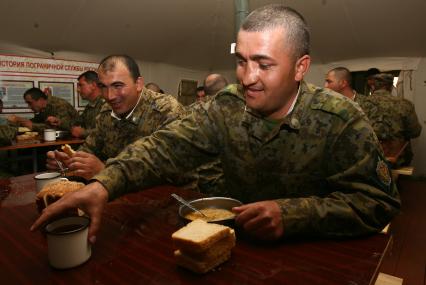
[
  {"x": 232, "y": 92},
  {"x": 333, "y": 103},
  {"x": 161, "y": 102},
  {"x": 105, "y": 108}
]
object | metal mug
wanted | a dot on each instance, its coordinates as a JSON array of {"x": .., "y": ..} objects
[
  {"x": 67, "y": 243},
  {"x": 49, "y": 135}
]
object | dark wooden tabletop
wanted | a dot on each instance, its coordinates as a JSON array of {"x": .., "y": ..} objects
[
  {"x": 134, "y": 246},
  {"x": 41, "y": 143}
]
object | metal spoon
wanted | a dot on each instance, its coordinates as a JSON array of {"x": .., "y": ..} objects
[
  {"x": 186, "y": 203},
  {"x": 61, "y": 167}
]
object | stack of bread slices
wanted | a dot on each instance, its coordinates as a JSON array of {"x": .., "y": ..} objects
[{"x": 202, "y": 246}]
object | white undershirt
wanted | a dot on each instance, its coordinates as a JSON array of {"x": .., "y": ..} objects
[{"x": 114, "y": 115}]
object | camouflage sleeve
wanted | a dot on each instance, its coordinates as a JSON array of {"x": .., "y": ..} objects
[
  {"x": 158, "y": 158},
  {"x": 362, "y": 196},
  {"x": 91, "y": 142},
  {"x": 7, "y": 134},
  {"x": 67, "y": 114},
  {"x": 412, "y": 126},
  {"x": 39, "y": 127}
]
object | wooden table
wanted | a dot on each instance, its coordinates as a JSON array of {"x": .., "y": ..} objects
[
  {"x": 134, "y": 247},
  {"x": 38, "y": 144}
]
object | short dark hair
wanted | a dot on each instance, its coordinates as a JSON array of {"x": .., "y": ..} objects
[
  {"x": 372, "y": 71},
  {"x": 90, "y": 76},
  {"x": 35, "y": 93},
  {"x": 278, "y": 15},
  {"x": 343, "y": 73},
  {"x": 109, "y": 63}
]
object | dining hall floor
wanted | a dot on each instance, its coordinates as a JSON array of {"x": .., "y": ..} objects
[{"x": 406, "y": 257}]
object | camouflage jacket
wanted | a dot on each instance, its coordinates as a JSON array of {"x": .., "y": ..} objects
[
  {"x": 87, "y": 119},
  {"x": 322, "y": 164},
  {"x": 112, "y": 135},
  {"x": 59, "y": 108},
  {"x": 391, "y": 117},
  {"x": 7, "y": 134}
]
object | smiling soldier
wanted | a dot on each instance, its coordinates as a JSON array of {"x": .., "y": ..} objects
[{"x": 302, "y": 160}]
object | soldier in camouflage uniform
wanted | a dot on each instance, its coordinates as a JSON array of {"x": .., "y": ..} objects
[
  {"x": 393, "y": 119},
  {"x": 132, "y": 112},
  {"x": 7, "y": 134},
  {"x": 339, "y": 79},
  {"x": 49, "y": 112},
  {"x": 88, "y": 89},
  {"x": 305, "y": 161}
]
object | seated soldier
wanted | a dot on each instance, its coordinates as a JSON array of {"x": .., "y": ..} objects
[
  {"x": 394, "y": 119},
  {"x": 7, "y": 132},
  {"x": 50, "y": 112},
  {"x": 303, "y": 160},
  {"x": 131, "y": 112},
  {"x": 88, "y": 89}
]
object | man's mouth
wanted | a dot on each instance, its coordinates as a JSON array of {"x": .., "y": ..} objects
[{"x": 253, "y": 92}]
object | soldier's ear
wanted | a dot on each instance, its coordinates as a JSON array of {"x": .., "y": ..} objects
[
  {"x": 139, "y": 84},
  {"x": 301, "y": 67}
]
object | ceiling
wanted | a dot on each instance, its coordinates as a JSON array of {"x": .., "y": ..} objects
[{"x": 197, "y": 34}]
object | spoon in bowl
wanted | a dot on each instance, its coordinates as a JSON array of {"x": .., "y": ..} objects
[{"x": 186, "y": 203}]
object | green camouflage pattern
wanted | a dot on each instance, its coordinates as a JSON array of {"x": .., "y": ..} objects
[
  {"x": 153, "y": 112},
  {"x": 210, "y": 174},
  {"x": 392, "y": 118},
  {"x": 7, "y": 134},
  {"x": 56, "y": 107},
  {"x": 111, "y": 135},
  {"x": 87, "y": 119},
  {"x": 322, "y": 164}
]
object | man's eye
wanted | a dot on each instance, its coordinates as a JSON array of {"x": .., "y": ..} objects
[
  {"x": 118, "y": 86},
  {"x": 264, "y": 66},
  {"x": 240, "y": 61}
]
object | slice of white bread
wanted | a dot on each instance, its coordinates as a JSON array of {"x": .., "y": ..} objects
[
  {"x": 197, "y": 236},
  {"x": 216, "y": 250},
  {"x": 199, "y": 266}
]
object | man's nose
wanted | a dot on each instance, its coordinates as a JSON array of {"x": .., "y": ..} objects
[
  {"x": 250, "y": 74},
  {"x": 108, "y": 94}
]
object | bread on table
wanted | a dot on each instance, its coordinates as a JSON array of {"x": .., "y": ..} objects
[
  {"x": 201, "y": 246},
  {"x": 68, "y": 150},
  {"x": 198, "y": 266},
  {"x": 198, "y": 235},
  {"x": 54, "y": 191}
]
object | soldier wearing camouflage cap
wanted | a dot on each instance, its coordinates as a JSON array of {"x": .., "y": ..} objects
[
  {"x": 394, "y": 119},
  {"x": 304, "y": 160}
]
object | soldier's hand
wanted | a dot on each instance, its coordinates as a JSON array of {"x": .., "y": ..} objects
[
  {"x": 59, "y": 155},
  {"x": 53, "y": 121},
  {"x": 13, "y": 119},
  {"x": 91, "y": 199},
  {"x": 26, "y": 123},
  {"x": 77, "y": 131},
  {"x": 262, "y": 220},
  {"x": 85, "y": 164}
]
